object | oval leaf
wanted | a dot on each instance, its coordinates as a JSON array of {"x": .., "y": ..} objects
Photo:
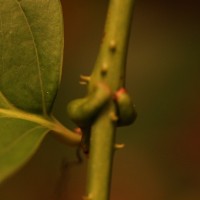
[
  {"x": 31, "y": 48},
  {"x": 21, "y": 141}
]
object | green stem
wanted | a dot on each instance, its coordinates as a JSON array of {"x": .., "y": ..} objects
[{"x": 110, "y": 69}]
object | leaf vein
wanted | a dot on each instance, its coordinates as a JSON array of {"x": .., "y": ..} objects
[
  {"x": 5, "y": 100},
  {"x": 37, "y": 58}
]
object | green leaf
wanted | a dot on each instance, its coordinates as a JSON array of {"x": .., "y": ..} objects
[
  {"x": 31, "y": 48},
  {"x": 21, "y": 141}
]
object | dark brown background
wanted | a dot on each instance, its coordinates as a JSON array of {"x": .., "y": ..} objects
[{"x": 161, "y": 160}]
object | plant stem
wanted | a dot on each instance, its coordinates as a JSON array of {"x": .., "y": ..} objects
[{"x": 110, "y": 69}]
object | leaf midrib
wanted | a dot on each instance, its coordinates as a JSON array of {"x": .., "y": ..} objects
[
  {"x": 19, "y": 114},
  {"x": 37, "y": 58}
]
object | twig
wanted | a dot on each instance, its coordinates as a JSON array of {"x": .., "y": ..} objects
[{"x": 109, "y": 69}]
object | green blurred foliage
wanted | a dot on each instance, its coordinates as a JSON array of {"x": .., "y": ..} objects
[{"x": 161, "y": 160}]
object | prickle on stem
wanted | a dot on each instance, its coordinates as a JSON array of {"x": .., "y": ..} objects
[
  {"x": 84, "y": 79},
  {"x": 104, "y": 69},
  {"x": 113, "y": 45},
  {"x": 119, "y": 146}
]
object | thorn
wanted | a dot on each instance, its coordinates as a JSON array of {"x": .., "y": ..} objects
[
  {"x": 85, "y": 78},
  {"x": 112, "y": 45},
  {"x": 113, "y": 117},
  {"x": 104, "y": 69},
  {"x": 119, "y": 146}
]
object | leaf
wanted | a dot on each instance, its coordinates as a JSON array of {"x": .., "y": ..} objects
[
  {"x": 31, "y": 48},
  {"x": 21, "y": 141}
]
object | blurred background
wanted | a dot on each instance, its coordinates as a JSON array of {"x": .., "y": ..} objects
[{"x": 161, "y": 160}]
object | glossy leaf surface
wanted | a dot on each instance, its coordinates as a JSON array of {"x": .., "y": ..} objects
[{"x": 31, "y": 47}]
